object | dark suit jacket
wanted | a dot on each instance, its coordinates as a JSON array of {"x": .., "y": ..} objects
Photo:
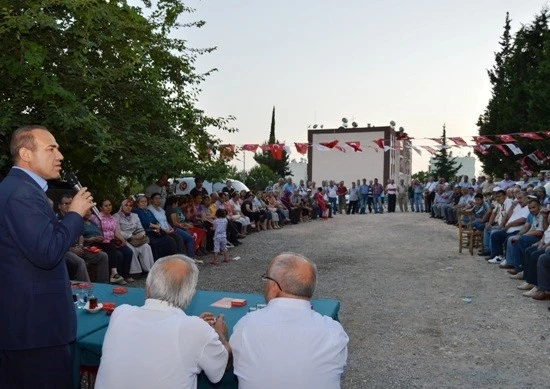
[{"x": 36, "y": 306}]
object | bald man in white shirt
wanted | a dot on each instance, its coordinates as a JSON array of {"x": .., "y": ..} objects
[{"x": 288, "y": 344}]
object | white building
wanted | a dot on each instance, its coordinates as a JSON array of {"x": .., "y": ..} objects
[
  {"x": 468, "y": 165},
  {"x": 372, "y": 162},
  {"x": 298, "y": 169}
]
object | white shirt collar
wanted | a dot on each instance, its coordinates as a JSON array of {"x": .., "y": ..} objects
[
  {"x": 285, "y": 302},
  {"x": 159, "y": 305}
]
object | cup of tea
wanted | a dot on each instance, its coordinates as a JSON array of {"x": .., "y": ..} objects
[{"x": 92, "y": 300}]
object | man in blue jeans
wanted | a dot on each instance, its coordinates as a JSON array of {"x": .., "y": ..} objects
[
  {"x": 364, "y": 194},
  {"x": 530, "y": 233},
  {"x": 514, "y": 220},
  {"x": 377, "y": 190}
]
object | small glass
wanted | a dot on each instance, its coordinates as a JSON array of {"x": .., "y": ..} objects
[
  {"x": 81, "y": 298},
  {"x": 92, "y": 301},
  {"x": 252, "y": 309},
  {"x": 261, "y": 306}
]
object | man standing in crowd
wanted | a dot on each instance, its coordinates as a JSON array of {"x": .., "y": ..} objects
[
  {"x": 161, "y": 187},
  {"x": 353, "y": 199},
  {"x": 391, "y": 191},
  {"x": 488, "y": 186},
  {"x": 342, "y": 191},
  {"x": 364, "y": 193},
  {"x": 172, "y": 347},
  {"x": 377, "y": 190},
  {"x": 506, "y": 182},
  {"x": 34, "y": 341},
  {"x": 198, "y": 189},
  {"x": 287, "y": 344},
  {"x": 332, "y": 196},
  {"x": 402, "y": 196},
  {"x": 430, "y": 189}
]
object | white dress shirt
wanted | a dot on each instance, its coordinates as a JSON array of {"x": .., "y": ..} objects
[
  {"x": 288, "y": 345},
  {"x": 518, "y": 213},
  {"x": 158, "y": 346}
]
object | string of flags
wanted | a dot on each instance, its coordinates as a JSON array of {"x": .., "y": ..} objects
[{"x": 505, "y": 143}]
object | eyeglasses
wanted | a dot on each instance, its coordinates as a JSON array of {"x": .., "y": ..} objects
[{"x": 265, "y": 277}]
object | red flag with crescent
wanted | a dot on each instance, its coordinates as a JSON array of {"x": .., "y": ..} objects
[
  {"x": 301, "y": 147},
  {"x": 356, "y": 146}
]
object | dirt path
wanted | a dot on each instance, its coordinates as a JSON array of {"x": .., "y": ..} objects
[{"x": 401, "y": 283}]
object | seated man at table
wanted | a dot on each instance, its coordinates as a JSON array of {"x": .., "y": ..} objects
[
  {"x": 288, "y": 344},
  {"x": 158, "y": 345}
]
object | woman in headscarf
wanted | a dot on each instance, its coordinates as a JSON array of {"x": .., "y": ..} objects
[
  {"x": 136, "y": 239},
  {"x": 161, "y": 244}
]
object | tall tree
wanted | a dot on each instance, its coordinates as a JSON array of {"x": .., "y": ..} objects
[
  {"x": 520, "y": 96},
  {"x": 113, "y": 85},
  {"x": 445, "y": 166},
  {"x": 266, "y": 158}
]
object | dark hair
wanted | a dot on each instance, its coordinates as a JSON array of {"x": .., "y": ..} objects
[
  {"x": 220, "y": 213},
  {"x": 171, "y": 201},
  {"x": 155, "y": 194},
  {"x": 478, "y": 196}
]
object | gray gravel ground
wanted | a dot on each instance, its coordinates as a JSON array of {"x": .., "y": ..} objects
[{"x": 401, "y": 283}]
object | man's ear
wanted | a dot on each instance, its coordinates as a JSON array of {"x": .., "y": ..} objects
[{"x": 25, "y": 154}]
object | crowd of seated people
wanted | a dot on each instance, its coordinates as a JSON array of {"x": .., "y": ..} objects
[{"x": 514, "y": 218}]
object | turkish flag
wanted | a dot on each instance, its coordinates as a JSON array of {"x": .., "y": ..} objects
[
  {"x": 330, "y": 145},
  {"x": 356, "y": 146},
  {"x": 430, "y": 150},
  {"x": 343, "y": 150},
  {"x": 402, "y": 137},
  {"x": 459, "y": 141},
  {"x": 530, "y": 135},
  {"x": 379, "y": 142},
  {"x": 482, "y": 139},
  {"x": 481, "y": 150},
  {"x": 437, "y": 140},
  {"x": 277, "y": 151},
  {"x": 265, "y": 147},
  {"x": 506, "y": 138},
  {"x": 250, "y": 147},
  {"x": 502, "y": 149},
  {"x": 301, "y": 147}
]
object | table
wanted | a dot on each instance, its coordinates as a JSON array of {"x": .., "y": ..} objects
[
  {"x": 89, "y": 323},
  {"x": 92, "y": 330}
]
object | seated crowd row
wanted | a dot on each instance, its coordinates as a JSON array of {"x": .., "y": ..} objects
[
  {"x": 516, "y": 229},
  {"x": 128, "y": 241}
]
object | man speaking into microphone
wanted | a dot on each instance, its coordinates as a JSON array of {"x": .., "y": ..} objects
[{"x": 37, "y": 316}]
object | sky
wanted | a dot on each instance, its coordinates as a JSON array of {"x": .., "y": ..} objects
[{"x": 419, "y": 63}]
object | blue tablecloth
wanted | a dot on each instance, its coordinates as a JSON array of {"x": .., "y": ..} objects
[{"x": 90, "y": 340}]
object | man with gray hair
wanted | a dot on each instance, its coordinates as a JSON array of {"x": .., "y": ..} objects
[
  {"x": 158, "y": 345},
  {"x": 288, "y": 344}
]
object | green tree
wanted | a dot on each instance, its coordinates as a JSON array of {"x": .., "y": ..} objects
[
  {"x": 445, "y": 166},
  {"x": 279, "y": 167},
  {"x": 113, "y": 85},
  {"x": 520, "y": 93},
  {"x": 259, "y": 176},
  {"x": 420, "y": 176}
]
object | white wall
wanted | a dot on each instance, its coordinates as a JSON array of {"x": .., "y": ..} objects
[{"x": 349, "y": 166}]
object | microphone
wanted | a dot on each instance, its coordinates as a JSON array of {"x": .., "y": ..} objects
[{"x": 71, "y": 179}]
